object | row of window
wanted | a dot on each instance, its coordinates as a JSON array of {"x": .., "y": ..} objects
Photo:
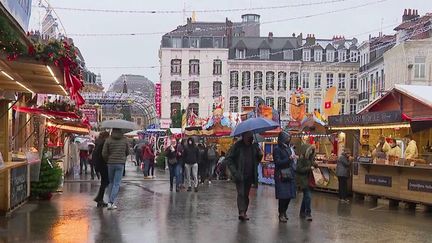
[
  {"x": 194, "y": 87},
  {"x": 294, "y": 81},
  {"x": 194, "y": 67}
]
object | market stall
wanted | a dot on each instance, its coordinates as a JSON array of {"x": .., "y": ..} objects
[{"x": 394, "y": 145}]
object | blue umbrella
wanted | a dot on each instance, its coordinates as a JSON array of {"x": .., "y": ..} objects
[{"x": 255, "y": 125}]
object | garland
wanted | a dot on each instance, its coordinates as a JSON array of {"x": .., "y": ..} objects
[{"x": 9, "y": 43}]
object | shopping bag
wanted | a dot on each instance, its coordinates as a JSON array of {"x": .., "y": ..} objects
[
  {"x": 319, "y": 178},
  {"x": 142, "y": 166},
  {"x": 311, "y": 182}
]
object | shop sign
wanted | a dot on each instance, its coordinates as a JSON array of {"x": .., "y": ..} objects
[
  {"x": 378, "y": 180},
  {"x": 91, "y": 114},
  {"x": 420, "y": 186},
  {"x": 366, "y": 118},
  {"x": 18, "y": 185},
  {"x": 158, "y": 99},
  {"x": 20, "y": 11}
]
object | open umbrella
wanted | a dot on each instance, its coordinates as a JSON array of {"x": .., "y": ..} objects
[
  {"x": 255, "y": 125},
  {"x": 120, "y": 124}
]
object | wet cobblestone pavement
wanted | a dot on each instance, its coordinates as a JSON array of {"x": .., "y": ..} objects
[{"x": 148, "y": 212}]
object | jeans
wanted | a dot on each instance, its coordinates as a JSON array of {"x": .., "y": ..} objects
[
  {"x": 343, "y": 187},
  {"x": 179, "y": 174},
  {"x": 146, "y": 167},
  {"x": 151, "y": 169},
  {"x": 194, "y": 169},
  {"x": 83, "y": 163},
  {"x": 115, "y": 172},
  {"x": 212, "y": 166},
  {"x": 138, "y": 159},
  {"x": 104, "y": 183},
  {"x": 305, "y": 209},
  {"x": 243, "y": 189},
  {"x": 283, "y": 206},
  {"x": 173, "y": 173}
]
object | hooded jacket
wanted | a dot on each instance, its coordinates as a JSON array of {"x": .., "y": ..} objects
[
  {"x": 411, "y": 151},
  {"x": 191, "y": 152},
  {"x": 115, "y": 148},
  {"x": 282, "y": 156}
]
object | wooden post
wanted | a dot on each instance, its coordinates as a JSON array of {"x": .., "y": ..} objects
[{"x": 4, "y": 130}]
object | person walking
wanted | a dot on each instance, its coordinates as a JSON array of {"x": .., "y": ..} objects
[
  {"x": 114, "y": 152},
  {"x": 202, "y": 163},
  {"x": 285, "y": 166},
  {"x": 304, "y": 174},
  {"x": 83, "y": 154},
  {"x": 191, "y": 164},
  {"x": 91, "y": 147},
  {"x": 138, "y": 153},
  {"x": 211, "y": 160},
  {"x": 242, "y": 160},
  {"x": 152, "y": 163},
  {"x": 343, "y": 173},
  {"x": 100, "y": 168},
  {"x": 170, "y": 152},
  {"x": 147, "y": 155},
  {"x": 180, "y": 164}
]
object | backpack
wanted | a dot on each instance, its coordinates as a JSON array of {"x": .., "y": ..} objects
[{"x": 211, "y": 154}]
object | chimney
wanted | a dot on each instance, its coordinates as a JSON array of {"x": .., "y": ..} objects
[
  {"x": 310, "y": 39},
  {"x": 410, "y": 14}
]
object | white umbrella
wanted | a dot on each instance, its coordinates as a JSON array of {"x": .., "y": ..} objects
[
  {"x": 120, "y": 124},
  {"x": 132, "y": 133}
]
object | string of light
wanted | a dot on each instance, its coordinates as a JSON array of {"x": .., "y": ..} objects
[{"x": 196, "y": 11}]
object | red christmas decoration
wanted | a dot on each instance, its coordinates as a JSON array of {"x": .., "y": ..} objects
[{"x": 327, "y": 105}]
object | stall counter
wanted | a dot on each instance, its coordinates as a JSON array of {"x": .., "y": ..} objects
[
  {"x": 397, "y": 182},
  {"x": 14, "y": 185}
]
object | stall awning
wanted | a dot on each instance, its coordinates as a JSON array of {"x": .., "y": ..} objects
[
  {"x": 73, "y": 127},
  {"x": 31, "y": 76},
  {"x": 47, "y": 113}
]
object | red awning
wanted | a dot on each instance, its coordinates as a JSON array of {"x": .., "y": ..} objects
[{"x": 54, "y": 114}]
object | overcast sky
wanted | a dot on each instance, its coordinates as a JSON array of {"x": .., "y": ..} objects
[{"x": 142, "y": 51}]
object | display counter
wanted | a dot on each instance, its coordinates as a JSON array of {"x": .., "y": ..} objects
[
  {"x": 14, "y": 186},
  {"x": 411, "y": 184}
]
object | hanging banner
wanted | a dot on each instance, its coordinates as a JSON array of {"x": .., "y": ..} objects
[
  {"x": 91, "y": 114},
  {"x": 158, "y": 99}
]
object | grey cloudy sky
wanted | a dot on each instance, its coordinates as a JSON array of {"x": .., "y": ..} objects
[{"x": 142, "y": 51}]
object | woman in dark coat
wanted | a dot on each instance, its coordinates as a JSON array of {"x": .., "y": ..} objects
[
  {"x": 304, "y": 172},
  {"x": 101, "y": 168},
  {"x": 285, "y": 185}
]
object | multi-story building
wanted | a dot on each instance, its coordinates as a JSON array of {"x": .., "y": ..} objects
[
  {"x": 194, "y": 64},
  {"x": 273, "y": 67}
]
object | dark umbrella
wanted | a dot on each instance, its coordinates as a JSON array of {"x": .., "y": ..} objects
[{"x": 255, "y": 125}]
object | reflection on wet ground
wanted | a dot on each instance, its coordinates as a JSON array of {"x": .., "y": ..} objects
[{"x": 148, "y": 212}]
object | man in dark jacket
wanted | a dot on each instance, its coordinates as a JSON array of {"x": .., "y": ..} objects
[
  {"x": 242, "y": 160},
  {"x": 343, "y": 173},
  {"x": 191, "y": 154},
  {"x": 304, "y": 171},
  {"x": 101, "y": 168}
]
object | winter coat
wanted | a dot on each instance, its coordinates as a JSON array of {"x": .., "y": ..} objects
[
  {"x": 171, "y": 155},
  {"x": 343, "y": 166},
  {"x": 180, "y": 153},
  {"x": 191, "y": 154},
  {"x": 147, "y": 153},
  {"x": 282, "y": 159},
  {"x": 234, "y": 159},
  {"x": 304, "y": 165},
  {"x": 211, "y": 154},
  {"x": 395, "y": 152},
  {"x": 116, "y": 148},
  {"x": 97, "y": 158},
  {"x": 202, "y": 155},
  {"x": 411, "y": 151}
]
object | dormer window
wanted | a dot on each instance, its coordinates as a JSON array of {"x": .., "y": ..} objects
[
  {"x": 240, "y": 54},
  {"x": 353, "y": 56},
  {"x": 342, "y": 55},
  {"x": 318, "y": 55},
  {"x": 306, "y": 55},
  {"x": 264, "y": 54},
  {"x": 288, "y": 54},
  {"x": 330, "y": 56}
]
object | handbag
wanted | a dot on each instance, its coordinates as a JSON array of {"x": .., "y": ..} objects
[
  {"x": 287, "y": 174},
  {"x": 311, "y": 182}
]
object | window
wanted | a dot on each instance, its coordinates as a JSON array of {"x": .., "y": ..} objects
[
  {"x": 282, "y": 81},
  {"x": 194, "y": 68},
  {"x": 317, "y": 80},
  {"x": 342, "y": 55},
  {"x": 175, "y": 88},
  {"x": 258, "y": 80},
  {"x": 194, "y": 42},
  {"x": 246, "y": 80},
  {"x": 353, "y": 56},
  {"x": 256, "y": 99},
  {"x": 281, "y": 107},
  {"x": 342, "y": 102},
  {"x": 194, "y": 89},
  {"x": 317, "y": 104},
  {"x": 419, "y": 67},
  {"x": 234, "y": 103},
  {"x": 305, "y": 80},
  {"x": 245, "y": 101},
  {"x": 194, "y": 108},
  {"x": 353, "y": 81},
  {"x": 294, "y": 80},
  {"x": 234, "y": 79},
  {"x": 217, "y": 89},
  {"x": 217, "y": 42},
  {"x": 306, "y": 55},
  {"x": 240, "y": 54},
  {"x": 306, "y": 102},
  {"x": 341, "y": 82},
  {"x": 176, "y": 42},
  {"x": 353, "y": 105},
  {"x": 176, "y": 66},
  {"x": 217, "y": 67},
  {"x": 264, "y": 53},
  {"x": 288, "y": 54},
  {"x": 329, "y": 80},
  {"x": 270, "y": 101},
  {"x": 318, "y": 55},
  {"x": 175, "y": 108},
  {"x": 330, "y": 56},
  {"x": 270, "y": 81}
]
